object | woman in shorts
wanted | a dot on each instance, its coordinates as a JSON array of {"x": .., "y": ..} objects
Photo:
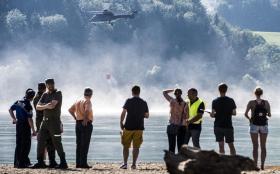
[{"x": 260, "y": 110}]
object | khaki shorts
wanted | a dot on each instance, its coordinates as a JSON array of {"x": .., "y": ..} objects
[{"x": 132, "y": 136}]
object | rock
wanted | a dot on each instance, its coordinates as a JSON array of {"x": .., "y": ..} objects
[{"x": 194, "y": 161}]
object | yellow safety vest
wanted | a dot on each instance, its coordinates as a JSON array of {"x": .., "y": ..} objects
[{"x": 193, "y": 110}]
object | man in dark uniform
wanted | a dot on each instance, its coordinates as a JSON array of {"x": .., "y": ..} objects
[
  {"x": 50, "y": 104},
  {"x": 24, "y": 125},
  {"x": 39, "y": 119}
]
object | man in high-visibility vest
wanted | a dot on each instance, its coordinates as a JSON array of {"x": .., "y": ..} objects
[{"x": 196, "y": 110}]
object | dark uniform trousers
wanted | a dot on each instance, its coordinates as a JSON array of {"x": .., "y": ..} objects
[
  {"x": 49, "y": 144},
  {"x": 50, "y": 129},
  {"x": 83, "y": 136},
  {"x": 23, "y": 144}
]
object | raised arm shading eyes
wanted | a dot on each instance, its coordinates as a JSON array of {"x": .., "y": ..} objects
[{"x": 166, "y": 94}]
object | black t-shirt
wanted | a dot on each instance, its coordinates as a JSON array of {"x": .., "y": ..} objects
[
  {"x": 223, "y": 107},
  {"x": 136, "y": 109}
]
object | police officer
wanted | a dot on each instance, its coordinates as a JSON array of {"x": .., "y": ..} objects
[
  {"x": 39, "y": 119},
  {"x": 24, "y": 125},
  {"x": 50, "y": 104}
]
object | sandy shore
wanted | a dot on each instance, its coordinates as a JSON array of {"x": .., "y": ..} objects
[
  {"x": 98, "y": 168},
  {"x": 106, "y": 168}
]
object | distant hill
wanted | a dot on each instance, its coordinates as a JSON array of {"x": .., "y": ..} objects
[{"x": 168, "y": 40}]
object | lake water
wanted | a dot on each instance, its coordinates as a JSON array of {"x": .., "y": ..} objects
[{"x": 105, "y": 143}]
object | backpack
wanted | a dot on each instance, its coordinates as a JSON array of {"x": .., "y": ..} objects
[{"x": 259, "y": 118}]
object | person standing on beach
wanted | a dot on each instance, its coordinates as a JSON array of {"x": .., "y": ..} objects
[
  {"x": 177, "y": 121},
  {"x": 24, "y": 125},
  {"x": 134, "y": 111},
  {"x": 196, "y": 109},
  {"x": 50, "y": 103},
  {"x": 39, "y": 119},
  {"x": 82, "y": 113},
  {"x": 260, "y": 110},
  {"x": 223, "y": 108}
]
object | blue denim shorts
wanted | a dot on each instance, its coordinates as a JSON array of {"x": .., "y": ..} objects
[{"x": 258, "y": 129}]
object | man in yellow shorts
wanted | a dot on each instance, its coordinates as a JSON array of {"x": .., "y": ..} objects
[{"x": 134, "y": 111}]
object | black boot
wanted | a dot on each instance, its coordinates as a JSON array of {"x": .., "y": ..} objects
[
  {"x": 63, "y": 163},
  {"x": 40, "y": 165},
  {"x": 53, "y": 164}
]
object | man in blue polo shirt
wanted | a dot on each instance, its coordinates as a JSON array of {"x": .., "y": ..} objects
[{"x": 24, "y": 122}]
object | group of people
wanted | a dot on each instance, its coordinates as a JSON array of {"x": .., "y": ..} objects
[
  {"x": 185, "y": 123},
  {"x": 48, "y": 126},
  {"x": 47, "y": 103},
  {"x": 186, "y": 120}
]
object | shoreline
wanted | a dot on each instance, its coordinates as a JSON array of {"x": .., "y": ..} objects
[
  {"x": 106, "y": 168},
  {"x": 97, "y": 168}
]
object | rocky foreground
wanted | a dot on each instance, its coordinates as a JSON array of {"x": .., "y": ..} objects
[
  {"x": 195, "y": 161},
  {"x": 106, "y": 168}
]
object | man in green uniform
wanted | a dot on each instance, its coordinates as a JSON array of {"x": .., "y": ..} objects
[
  {"x": 39, "y": 119},
  {"x": 50, "y": 104}
]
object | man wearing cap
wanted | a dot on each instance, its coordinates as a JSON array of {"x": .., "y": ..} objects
[
  {"x": 39, "y": 119},
  {"x": 24, "y": 125},
  {"x": 82, "y": 113},
  {"x": 50, "y": 104}
]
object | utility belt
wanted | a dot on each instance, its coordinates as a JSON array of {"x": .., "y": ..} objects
[
  {"x": 50, "y": 119},
  {"x": 45, "y": 119}
]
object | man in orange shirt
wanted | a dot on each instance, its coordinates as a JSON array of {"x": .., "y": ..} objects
[{"x": 82, "y": 113}]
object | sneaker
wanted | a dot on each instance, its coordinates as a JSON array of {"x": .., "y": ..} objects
[
  {"x": 133, "y": 167},
  {"x": 124, "y": 166},
  {"x": 39, "y": 166}
]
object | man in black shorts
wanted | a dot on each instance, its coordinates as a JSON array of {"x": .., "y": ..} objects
[{"x": 223, "y": 108}]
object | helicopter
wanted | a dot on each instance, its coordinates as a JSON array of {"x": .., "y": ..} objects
[{"x": 109, "y": 16}]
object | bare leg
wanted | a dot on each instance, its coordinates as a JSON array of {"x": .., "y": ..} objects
[
  {"x": 222, "y": 147},
  {"x": 125, "y": 154},
  {"x": 135, "y": 155},
  {"x": 232, "y": 149},
  {"x": 263, "y": 138},
  {"x": 254, "y": 137}
]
